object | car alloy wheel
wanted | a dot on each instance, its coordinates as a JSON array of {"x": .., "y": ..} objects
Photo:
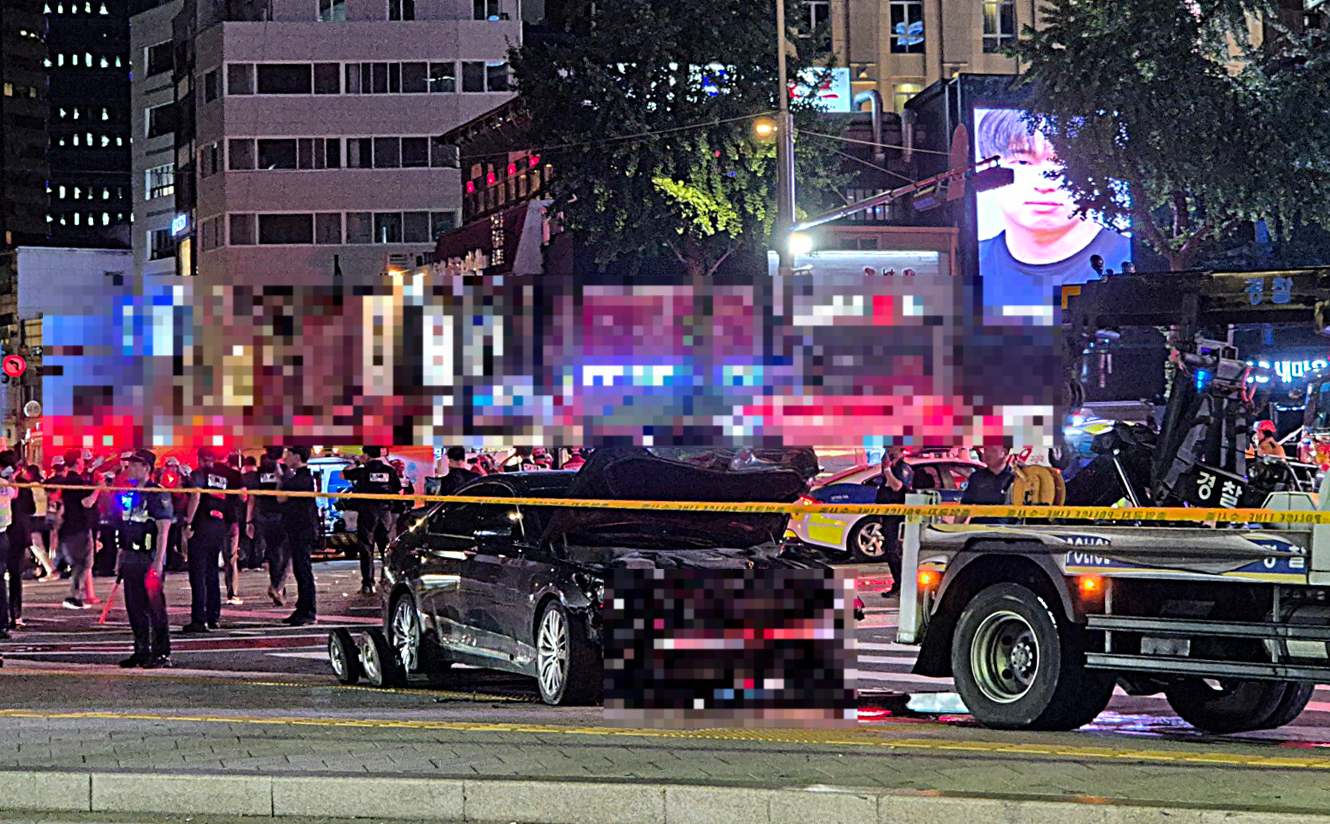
[
  {"x": 344, "y": 656},
  {"x": 406, "y": 633},
  {"x": 869, "y": 539},
  {"x": 552, "y": 652}
]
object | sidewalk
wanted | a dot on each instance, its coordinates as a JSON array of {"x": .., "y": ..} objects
[{"x": 291, "y": 759}]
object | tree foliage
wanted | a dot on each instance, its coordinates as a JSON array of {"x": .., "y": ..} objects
[
  {"x": 1207, "y": 128},
  {"x": 646, "y": 112}
]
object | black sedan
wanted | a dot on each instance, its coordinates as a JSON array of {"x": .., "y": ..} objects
[{"x": 521, "y": 588}]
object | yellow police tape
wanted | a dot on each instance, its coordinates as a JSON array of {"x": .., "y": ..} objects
[{"x": 1087, "y": 513}]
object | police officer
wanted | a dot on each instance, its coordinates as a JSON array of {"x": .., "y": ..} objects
[
  {"x": 265, "y": 523},
  {"x": 897, "y": 482},
  {"x": 142, "y": 525},
  {"x": 211, "y": 516},
  {"x": 300, "y": 522},
  {"x": 374, "y": 522}
]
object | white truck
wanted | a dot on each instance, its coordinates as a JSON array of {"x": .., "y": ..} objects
[{"x": 1037, "y": 622}]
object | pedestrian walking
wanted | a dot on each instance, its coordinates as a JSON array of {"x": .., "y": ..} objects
[
  {"x": 142, "y": 522},
  {"x": 263, "y": 523},
  {"x": 38, "y": 526},
  {"x": 211, "y": 516},
  {"x": 74, "y": 530},
  {"x": 300, "y": 522},
  {"x": 374, "y": 521},
  {"x": 897, "y": 482},
  {"x": 12, "y": 592}
]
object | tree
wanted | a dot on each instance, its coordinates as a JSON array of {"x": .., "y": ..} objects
[
  {"x": 1156, "y": 99},
  {"x": 645, "y": 108}
]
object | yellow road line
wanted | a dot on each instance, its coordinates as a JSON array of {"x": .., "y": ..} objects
[{"x": 849, "y": 738}]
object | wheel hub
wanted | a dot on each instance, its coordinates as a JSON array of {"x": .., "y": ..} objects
[{"x": 1004, "y": 657}]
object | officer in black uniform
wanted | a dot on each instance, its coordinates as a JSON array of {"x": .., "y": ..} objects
[
  {"x": 300, "y": 522},
  {"x": 374, "y": 521},
  {"x": 142, "y": 526},
  {"x": 211, "y": 516},
  {"x": 265, "y": 523}
]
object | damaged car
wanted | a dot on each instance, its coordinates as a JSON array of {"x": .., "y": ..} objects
[{"x": 521, "y": 589}]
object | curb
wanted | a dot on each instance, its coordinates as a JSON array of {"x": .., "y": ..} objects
[{"x": 500, "y": 801}]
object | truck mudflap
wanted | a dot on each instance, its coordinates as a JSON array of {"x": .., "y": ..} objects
[{"x": 984, "y": 563}]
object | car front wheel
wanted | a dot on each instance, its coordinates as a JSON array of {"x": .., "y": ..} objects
[
  {"x": 569, "y": 670},
  {"x": 868, "y": 540}
]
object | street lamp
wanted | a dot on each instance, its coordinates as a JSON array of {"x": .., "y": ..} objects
[{"x": 784, "y": 150}]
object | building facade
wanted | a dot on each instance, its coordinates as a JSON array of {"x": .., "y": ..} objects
[
  {"x": 90, "y": 130},
  {"x": 23, "y": 162},
  {"x": 152, "y": 52},
  {"x": 303, "y": 142}
]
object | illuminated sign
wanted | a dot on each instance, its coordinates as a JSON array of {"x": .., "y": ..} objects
[
  {"x": 1287, "y": 370},
  {"x": 180, "y": 224}
]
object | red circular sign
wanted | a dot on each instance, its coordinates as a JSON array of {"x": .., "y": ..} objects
[{"x": 14, "y": 365}]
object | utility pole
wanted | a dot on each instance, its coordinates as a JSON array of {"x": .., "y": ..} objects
[{"x": 784, "y": 152}]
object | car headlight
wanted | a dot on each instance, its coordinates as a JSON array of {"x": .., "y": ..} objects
[{"x": 593, "y": 587}]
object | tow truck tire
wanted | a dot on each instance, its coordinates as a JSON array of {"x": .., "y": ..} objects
[
  {"x": 344, "y": 656},
  {"x": 1296, "y": 698},
  {"x": 1234, "y": 705},
  {"x": 378, "y": 660},
  {"x": 1017, "y": 666}
]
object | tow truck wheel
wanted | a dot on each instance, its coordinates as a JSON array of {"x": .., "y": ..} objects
[
  {"x": 378, "y": 661},
  {"x": 868, "y": 540},
  {"x": 1018, "y": 667},
  {"x": 1234, "y": 705},
  {"x": 343, "y": 656}
]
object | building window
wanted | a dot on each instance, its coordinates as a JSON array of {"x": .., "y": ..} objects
[
  {"x": 415, "y": 152},
  {"x": 401, "y": 9},
  {"x": 496, "y": 76},
  {"x": 212, "y": 82},
  {"x": 441, "y": 223},
  {"x": 473, "y": 77},
  {"x": 486, "y": 10},
  {"x": 332, "y": 11},
  {"x": 415, "y": 78},
  {"x": 907, "y": 26},
  {"x": 999, "y": 25},
  {"x": 209, "y": 160},
  {"x": 210, "y": 234},
  {"x": 286, "y": 230},
  {"x": 160, "y": 58},
  {"x": 284, "y": 78},
  {"x": 387, "y": 227},
  {"x": 161, "y": 120},
  {"x": 160, "y": 244},
  {"x": 415, "y": 227},
  {"x": 387, "y": 153},
  {"x": 359, "y": 227},
  {"x": 443, "y": 77},
  {"x": 161, "y": 182},
  {"x": 327, "y": 78},
  {"x": 240, "y": 78},
  {"x": 328, "y": 228},
  {"x": 240, "y": 155},
  {"x": 902, "y": 92},
  {"x": 277, "y": 154},
  {"x": 242, "y": 230},
  {"x": 816, "y": 13},
  {"x": 359, "y": 153}
]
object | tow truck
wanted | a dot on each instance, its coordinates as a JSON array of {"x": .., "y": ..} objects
[{"x": 1037, "y": 620}]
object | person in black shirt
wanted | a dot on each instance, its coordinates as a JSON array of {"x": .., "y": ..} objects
[
  {"x": 458, "y": 475},
  {"x": 211, "y": 516},
  {"x": 142, "y": 523},
  {"x": 250, "y": 557},
  {"x": 990, "y": 483},
  {"x": 374, "y": 521},
  {"x": 265, "y": 524},
  {"x": 300, "y": 521},
  {"x": 75, "y": 531},
  {"x": 897, "y": 482}
]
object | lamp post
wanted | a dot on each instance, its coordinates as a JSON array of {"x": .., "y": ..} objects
[{"x": 784, "y": 152}]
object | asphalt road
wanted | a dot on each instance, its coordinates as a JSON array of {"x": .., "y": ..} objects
[{"x": 253, "y": 648}]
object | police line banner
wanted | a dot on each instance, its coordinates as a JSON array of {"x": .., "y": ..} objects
[{"x": 1074, "y": 513}]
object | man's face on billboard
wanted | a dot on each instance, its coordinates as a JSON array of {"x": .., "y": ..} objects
[{"x": 1034, "y": 201}]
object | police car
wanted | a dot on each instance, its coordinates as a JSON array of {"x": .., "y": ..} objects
[{"x": 863, "y": 537}]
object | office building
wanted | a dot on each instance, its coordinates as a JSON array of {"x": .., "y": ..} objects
[
  {"x": 89, "y": 123},
  {"x": 23, "y": 161},
  {"x": 303, "y": 131},
  {"x": 152, "y": 52}
]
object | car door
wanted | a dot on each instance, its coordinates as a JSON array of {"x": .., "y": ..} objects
[
  {"x": 494, "y": 533},
  {"x": 440, "y": 555}
]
